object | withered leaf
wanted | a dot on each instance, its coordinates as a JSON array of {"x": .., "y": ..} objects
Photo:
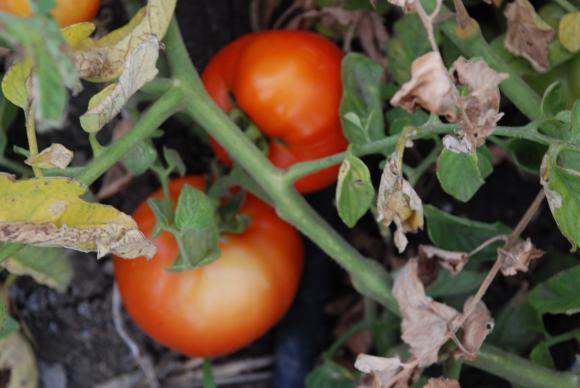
[
  {"x": 519, "y": 257},
  {"x": 386, "y": 372},
  {"x": 103, "y": 60},
  {"x": 49, "y": 212},
  {"x": 480, "y": 107},
  {"x": 398, "y": 202},
  {"x": 424, "y": 321},
  {"x": 527, "y": 34},
  {"x": 442, "y": 382},
  {"x": 430, "y": 87},
  {"x": 139, "y": 68},
  {"x": 55, "y": 156},
  {"x": 450, "y": 260},
  {"x": 476, "y": 327}
]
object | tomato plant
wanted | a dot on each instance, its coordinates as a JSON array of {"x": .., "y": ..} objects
[
  {"x": 288, "y": 83},
  {"x": 225, "y": 305},
  {"x": 66, "y": 12}
]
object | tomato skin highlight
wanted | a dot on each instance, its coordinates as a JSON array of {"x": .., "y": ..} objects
[
  {"x": 223, "y": 306},
  {"x": 289, "y": 84},
  {"x": 66, "y": 12}
]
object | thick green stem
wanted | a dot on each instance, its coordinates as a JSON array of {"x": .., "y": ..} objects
[
  {"x": 368, "y": 277},
  {"x": 208, "y": 381},
  {"x": 15, "y": 167},
  {"x": 31, "y": 135},
  {"x": 521, "y": 371},
  {"x": 153, "y": 117}
]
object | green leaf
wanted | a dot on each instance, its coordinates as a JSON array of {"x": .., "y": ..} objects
[
  {"x": 409, "y": 42},
  {"x": 398, "y": 119},
  {"x": 561, "y": 180},
  {"x": 541, "y": 355},
  {"x": 361, "y": 82},
  {"x": 461, "y": 234},
  {"x": 7, "y": 324},
  {"x": 163, "y": 210},
  {"x": 198, "y": 234},
  {"x": 43, "y": 6},
  {"x": 194, "y": 210},
  {"x": 569, "y": 31},
  {"x": 526, "y": 154},
  {"x": 140, "y": 158},
  {"x": 517, "y": 327},
  {"x": 559, "y": 294},
  {"x": 575, "y": 121},
  {"x": 196, "y": 249},
  {"x": 460, "y": 175},
  {"x": 354, "y": 191},
  {"x": 330, "y": 375},
  {"x": 48, "y": 266},
  {"x": 174, "y": 161},
  {"x": 553, "y": 100},
  {"x": 463, "y": 283}
]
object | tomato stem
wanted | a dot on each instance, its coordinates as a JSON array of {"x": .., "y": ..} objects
[{"x": 208, "y": 381}]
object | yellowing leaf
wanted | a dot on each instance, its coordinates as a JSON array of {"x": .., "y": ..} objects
[
  {"x": 55, "y": 156},
  {"x": 77, "y": 33},
  {"x": 48, "y": 212},
  {"x": 19, "y": 361},
  {"x": 569, "y": 31},
  {"x": 14, "y": 84},
  {"x": 139, "y": 69},
  {"x": 104, "y": 59}
]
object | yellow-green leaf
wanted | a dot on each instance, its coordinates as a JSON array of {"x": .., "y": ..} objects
[
  {"x": 48, "y": 266},
  {"x": 569, "y": 31},
  {"x": 139, "y": 69},
  {"x": 49, "y": 212},
  {"x": 104, "y": 59},
  {"x": 18, "y": 359},
  {"x": 77, "y": 33},
  {"x": 55, "y": 156},
  {"x": 14, "y": 84}
]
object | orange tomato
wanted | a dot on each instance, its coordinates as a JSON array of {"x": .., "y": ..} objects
[
  {"x": 289, "y": 84},
  {"x": 66, "y": 12},
  {"x": 223, "y": 306}
]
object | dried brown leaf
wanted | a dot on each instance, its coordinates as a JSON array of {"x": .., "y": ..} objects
[
  {"x": 528, "y": 35},
  {"x": 450, "y": 260},
  {"x": 430, "y": 87},
  {"x": 387, "y": 372},
  {"x": 480, "y": 108},
  {"x": 442, "y": 382},
  {"x": 55, "y": 156},
  {"x": 424, "y": 321},
  {"x": 398, "y": 202},
  {"x": 476, "y": 327},
  {"x": 518, "y": 258}
]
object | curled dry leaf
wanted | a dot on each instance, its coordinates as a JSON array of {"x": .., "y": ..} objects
[
  {"x": 450, "y": 260},
  {"x": 424, "y": 321},
  {"x": 386, "y": 372},
  {"x": 430, "y": 87},
  {"x": 398, "y": 202},
  {"x": 49, "y": 212},
  {"x": 527, "y": 34},
  {"x": 476, "y": 327},
  {"x": 18, "y": 360},
  {"x": 55, "y": 156},
  {"x": 519, "y": 257},
  {"x": 407, "y": 5},
  {"x": 104, "y": 59},
  {"x": 480, "y": 107},
  {"x": 442, "y": 382},
  {"x": 139, "y": 68}
]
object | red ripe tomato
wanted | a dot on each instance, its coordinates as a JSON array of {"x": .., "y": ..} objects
[
  {"x": 289, "y": 84},
  {"x": 223, "y": 306},
  {"x": 66, "y": 12}
]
